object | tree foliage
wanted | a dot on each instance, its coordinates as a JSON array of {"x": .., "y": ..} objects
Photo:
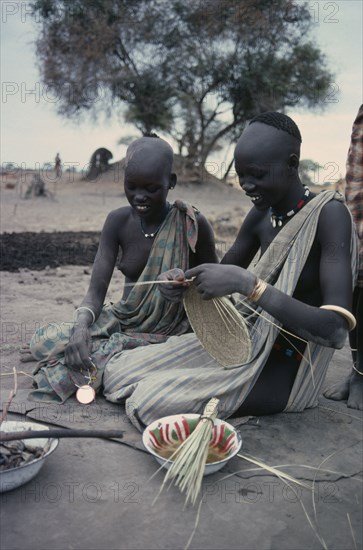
[{"x": 195, "y": 70}]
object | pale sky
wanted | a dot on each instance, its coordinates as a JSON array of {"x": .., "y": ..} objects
[{"x": 32, "y": 132}]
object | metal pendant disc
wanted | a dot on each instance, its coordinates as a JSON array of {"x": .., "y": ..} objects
[{"x": 85, "y": 394}]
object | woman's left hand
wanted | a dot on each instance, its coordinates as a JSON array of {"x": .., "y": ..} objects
[
  {"x": 212, "y": 280},
  {"x": 174, "y": 291}
]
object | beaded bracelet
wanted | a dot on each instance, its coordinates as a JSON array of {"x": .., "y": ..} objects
[
  {"x": 257, "y": 291},
  {"x": 88, "y": 309}
]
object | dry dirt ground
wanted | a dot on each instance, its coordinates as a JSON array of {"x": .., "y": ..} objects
[{"x": 62, "y": 228}]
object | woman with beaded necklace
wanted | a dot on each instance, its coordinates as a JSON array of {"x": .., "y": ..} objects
[
  {"x": 294, "y": 260},
  {"x": 266, "y": 161}
]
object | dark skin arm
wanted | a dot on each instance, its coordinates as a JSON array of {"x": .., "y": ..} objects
[
  {"x": 309, "y": 322},
  {"x": 205, "y": 251},
  {"x": 78, "y": 350},
  {"x": 324, "y": 327}
]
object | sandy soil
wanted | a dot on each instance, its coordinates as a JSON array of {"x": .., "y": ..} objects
[{"x": 76, "y": 205}]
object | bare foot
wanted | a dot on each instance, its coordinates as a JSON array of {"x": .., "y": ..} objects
[
  {"x": 350, "y": 390},
  {"x": 25, "y": 354},
  {"x": 355, "y": 399},
  {"x": 340, "y": 391}
]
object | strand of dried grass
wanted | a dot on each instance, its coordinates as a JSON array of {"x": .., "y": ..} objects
[
  {"x": 222, "y": 310},
  {"x": 12, "y": 394},
  {"x": 187, "y": 470},
  {"x": 262, "y": 467},
  {"x": 173, "y": 281},
  {"x": 283, "y": 332},
  {"x": 227, "y": 310},
  {"x": 228, "y": 314},
  {"x": 352, "y": 532},
  {"x": 196, "y": 523},
  {"x": 275, "y": 325},
  {"x": 18, "y": 372},
  {"x": 323, "y": 470},
  {"x": 318, "y": 469},
  {"x": 274, "y": 471},
  {"x": 284, "y": 477},
  {"x": 313, "y": 527}
]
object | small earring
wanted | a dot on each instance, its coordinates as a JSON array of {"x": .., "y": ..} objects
[{"x": 172, "y": 187}]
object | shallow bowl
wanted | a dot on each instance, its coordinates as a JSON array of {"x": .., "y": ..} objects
[
  {"x": 15, "y": 477},
  {"x": 162, "y": 437}
]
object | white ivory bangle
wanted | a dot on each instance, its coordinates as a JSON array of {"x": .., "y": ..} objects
[
  {"x": 356, "y": 370},
  {"x": 88, "y": 309},
  {"x": 349, "y": 317},
  {"x": 257, "y": 291}
]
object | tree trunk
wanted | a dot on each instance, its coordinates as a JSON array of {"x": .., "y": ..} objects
[{"x": 228, "y": 170}]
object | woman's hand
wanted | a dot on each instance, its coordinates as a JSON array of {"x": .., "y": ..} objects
[
  {"x": 173, "y": 292},
  {"x": 77, "y": 352},
  {"x": 212, "y": 280}
]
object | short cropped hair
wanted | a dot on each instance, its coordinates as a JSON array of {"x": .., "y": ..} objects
[
  {"x": 160, "y": 147},
  {"x": 279, "y": 121}
]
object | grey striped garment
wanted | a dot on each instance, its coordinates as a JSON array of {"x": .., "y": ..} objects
[{"x": 179, "y": 376}]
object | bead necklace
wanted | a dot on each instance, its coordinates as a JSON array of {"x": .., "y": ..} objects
[
  {"x": 152, "y": 235},
  {"x": 149, "y": 235},
  {"x": 279, "y": 219}
]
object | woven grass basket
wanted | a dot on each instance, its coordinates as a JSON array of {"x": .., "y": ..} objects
[{"x": 221, "y": 330}]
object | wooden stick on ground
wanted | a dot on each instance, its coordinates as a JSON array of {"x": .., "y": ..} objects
[{"x": 59, "y": 433}]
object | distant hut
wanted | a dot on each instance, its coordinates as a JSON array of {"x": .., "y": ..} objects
[{"x": 99, "y": 163}]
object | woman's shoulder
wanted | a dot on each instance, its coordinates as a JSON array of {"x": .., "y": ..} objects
[
  {"x": 205, "y": 228},
  {"x": 201, "y": 218},
  {"x": 334, "y": 211},
  {"x": 116, "y": 220},
  {"x": 254, "y": 218},
  {"x": 119, "y": 214},
  {"x": 334, "y": 222}
]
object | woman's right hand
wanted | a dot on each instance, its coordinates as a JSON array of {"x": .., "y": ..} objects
[
  {"x": 173, "y": 292},
  {"x": 78, "y": 350}
]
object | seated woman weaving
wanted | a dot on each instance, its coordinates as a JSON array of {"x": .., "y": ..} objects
[
  {"x": 301, "y": 283},
  {"x": 153, "y": 236}
]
